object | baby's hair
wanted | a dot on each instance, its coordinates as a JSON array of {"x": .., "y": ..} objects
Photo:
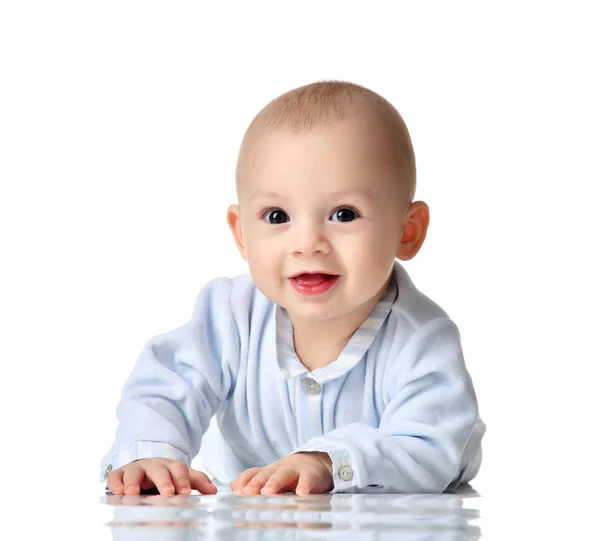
[{"x": 322, "y": 103}]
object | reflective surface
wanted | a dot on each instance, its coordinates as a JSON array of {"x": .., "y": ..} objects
[{"x": 225, "y": 516}]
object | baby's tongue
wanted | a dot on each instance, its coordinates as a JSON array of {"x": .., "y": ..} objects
[{"x": 312, "y": 280}]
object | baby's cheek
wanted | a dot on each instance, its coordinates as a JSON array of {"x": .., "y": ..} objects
[
  {"x": 263, "y": 271},
  {"x": 372, "y": 264}
]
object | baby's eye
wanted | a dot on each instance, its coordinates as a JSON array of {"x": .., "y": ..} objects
[
  {"x": 276, "y": 216},
  {"x": 344, "y": 214}
]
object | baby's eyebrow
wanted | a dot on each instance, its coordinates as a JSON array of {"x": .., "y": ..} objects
[
  {"x": 266, "y": 194},
  {"x": 365, "y": 194}
]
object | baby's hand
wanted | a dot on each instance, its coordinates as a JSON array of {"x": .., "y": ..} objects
[
  {"x": 168, "y": 476},
  {"x": 302, "y": 473}
]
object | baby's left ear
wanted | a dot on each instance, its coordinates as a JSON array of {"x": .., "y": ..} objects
[
  {"x": 414, "y": 230},
  {"x": 235, "y": 224}
]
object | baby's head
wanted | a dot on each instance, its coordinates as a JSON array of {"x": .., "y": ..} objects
[{"x": 325, "y": 182}]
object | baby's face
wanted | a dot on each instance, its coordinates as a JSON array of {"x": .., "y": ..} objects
[{"x": 327, "y": 200}]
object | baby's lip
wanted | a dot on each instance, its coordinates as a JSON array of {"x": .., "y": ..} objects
[{"x": 313, "y": 272}]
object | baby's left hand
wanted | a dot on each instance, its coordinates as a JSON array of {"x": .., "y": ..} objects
[{"x": 302, "y": 473}]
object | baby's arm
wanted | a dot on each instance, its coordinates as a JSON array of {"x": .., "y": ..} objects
[
  {"x": 430, "y": 415},
  {"x": 177, "y": 384}
]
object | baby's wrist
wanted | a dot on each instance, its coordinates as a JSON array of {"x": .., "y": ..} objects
[{"x": 322, "y": 457}]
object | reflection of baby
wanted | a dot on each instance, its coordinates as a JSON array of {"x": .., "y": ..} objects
[
  {"x": 416, "y": 517},
  {"x": 325, "y": 368}
]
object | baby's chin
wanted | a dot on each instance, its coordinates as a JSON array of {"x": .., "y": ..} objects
[
  {"x": 318, "y": 323},
  {"x": 313, "y": 310}
]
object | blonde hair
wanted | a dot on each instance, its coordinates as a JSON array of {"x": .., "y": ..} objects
[{"x": 322, "y": 103}]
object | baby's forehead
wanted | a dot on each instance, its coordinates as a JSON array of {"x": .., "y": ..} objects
[
  {"x": 354, "y": 135},
  {"x": 320, "y": 182},
  {"x": 354, "y": 145}
]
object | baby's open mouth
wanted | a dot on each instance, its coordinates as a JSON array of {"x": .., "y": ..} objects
[
  {"x": 313, "y": 283},
  {"x": 312, "y": 280}
]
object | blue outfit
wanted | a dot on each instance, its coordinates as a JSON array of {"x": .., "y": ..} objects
[{"x": 396, "y": 412}]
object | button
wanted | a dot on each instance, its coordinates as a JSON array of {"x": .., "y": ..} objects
[
  {"x": 311, "y": 386},
  {"x": 108, "y": 470},
  {"x": 345, "y": 473}
]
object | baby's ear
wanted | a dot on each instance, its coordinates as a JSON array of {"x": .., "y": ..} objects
[
  {"x": 414, "y": 230},
  {"x": 235, "y": 224}
]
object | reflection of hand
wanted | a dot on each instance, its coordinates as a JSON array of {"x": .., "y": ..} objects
[
  {"x": 287, "y": 525},
  {"x": 154, "y": 500},
  {"x": 168, "y": 476},
  {"x": 302, "y": 473}
]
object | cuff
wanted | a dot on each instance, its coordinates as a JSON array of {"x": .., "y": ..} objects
[
  {"x": 139, "y": 450},
  {"x": 345, "y": 478}
]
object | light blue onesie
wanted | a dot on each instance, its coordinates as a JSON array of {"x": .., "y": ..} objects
[{"x": 396, "y": 412}]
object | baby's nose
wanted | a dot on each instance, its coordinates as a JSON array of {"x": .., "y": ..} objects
[{"x": 309, "y": 239}]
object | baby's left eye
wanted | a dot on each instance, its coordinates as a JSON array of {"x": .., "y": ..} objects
[{"x": 344, "y": 214}]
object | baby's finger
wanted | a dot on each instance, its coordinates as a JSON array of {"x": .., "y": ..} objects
[
  {"x": 133, "y": 475},
  {"x": 201, "y": 482},
  {"x": 114, "y": 482},
  {"x": 161, "y": 477},
  {"x": 180, "y": 474},
  {"x": 307, "y": 483},
  {"x": 243, "y": 478},
  {"x": 258, "y": 481},
  {"x": 281, "y": 481}
]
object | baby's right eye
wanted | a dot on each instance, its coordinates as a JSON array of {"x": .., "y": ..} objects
[{"x": 275, "y": 216}]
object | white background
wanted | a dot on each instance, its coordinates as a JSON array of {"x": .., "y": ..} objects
[{"x": 119, "y": 128}]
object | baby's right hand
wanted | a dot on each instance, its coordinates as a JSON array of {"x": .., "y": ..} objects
[{"x": 168, "y": 476}]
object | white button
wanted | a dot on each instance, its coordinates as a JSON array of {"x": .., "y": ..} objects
[
  {"x": 345, "y": 473},
  {"x": 311, "y": 386}
]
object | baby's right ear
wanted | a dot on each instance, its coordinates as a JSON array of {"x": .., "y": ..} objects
[{"x": 235, "y": 224}]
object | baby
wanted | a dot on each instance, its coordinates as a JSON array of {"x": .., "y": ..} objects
[{"x": 324, "y": 369}]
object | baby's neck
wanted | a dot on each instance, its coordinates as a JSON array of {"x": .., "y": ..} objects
[
  {"x": 319, "y": 343},
  {"x": 316, "y": 350}
]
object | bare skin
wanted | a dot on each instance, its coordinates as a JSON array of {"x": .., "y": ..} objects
[
  {"x": 170, "y": 477},
  {"x": 302, "y": 473}
]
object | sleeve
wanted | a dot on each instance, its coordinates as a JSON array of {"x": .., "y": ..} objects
[
  {"x": 430, "y": 415},
  {"x": 177, "y": 384}
]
